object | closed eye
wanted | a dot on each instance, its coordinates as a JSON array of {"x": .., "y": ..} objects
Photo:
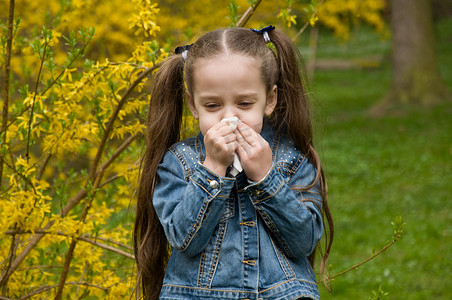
[
  {"x": 245, "y": 104},
  {"x": 211, "y": 106}
]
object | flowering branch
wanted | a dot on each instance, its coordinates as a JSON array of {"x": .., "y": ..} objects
[
  {"x": 38, "y": 79},
  {"x": 113, "y": 118},
  {"x": 9, "y": 42},
  {"x": 312, "y": 19}
]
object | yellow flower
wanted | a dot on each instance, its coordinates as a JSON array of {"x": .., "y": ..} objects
[
  {"x": 67, "y": 74},
  {"x": 313, "y": 19}
]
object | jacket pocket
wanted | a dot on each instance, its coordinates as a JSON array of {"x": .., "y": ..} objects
[{"x": 209, "y": 258}]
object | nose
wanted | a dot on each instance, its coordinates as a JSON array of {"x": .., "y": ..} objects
[{"x": 229, "y": 113}]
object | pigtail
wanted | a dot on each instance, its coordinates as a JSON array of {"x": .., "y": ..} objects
[
  {"x": 292, "y": 116},
  {"x": 163, "y": 130},
  {"x": 292, "y": 111}
]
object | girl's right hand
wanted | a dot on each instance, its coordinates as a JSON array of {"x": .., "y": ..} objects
[{"x": 221, "y": 143}]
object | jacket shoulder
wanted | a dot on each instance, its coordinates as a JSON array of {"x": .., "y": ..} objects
[
  {"x": 187, "y": 153},
  {"x": 287, "y": 156}
]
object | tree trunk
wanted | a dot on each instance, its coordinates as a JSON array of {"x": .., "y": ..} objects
[{"x": 415, "y": 73}]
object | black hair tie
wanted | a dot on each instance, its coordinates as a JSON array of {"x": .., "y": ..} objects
[
  {"x": 264, "y": 31},
  {"x": 183, "y": 50}
]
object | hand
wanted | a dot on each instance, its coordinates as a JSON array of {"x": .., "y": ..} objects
[
  {"x": 221, "y": 144},
  {"x": 254, "y": 152}
]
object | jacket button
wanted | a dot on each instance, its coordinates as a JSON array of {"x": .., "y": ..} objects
[{"x": 213, "y": 184}]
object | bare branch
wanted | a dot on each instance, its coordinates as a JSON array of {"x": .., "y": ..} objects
[
  {"x": 12, "y": 252},
  {"x": 49, "y": 287},
  {"x": 354, "y": 267},
  {"x": 107, "y": 247},
  {"x": 114, "y": 242},
  {"x": 43, "y": 167},
  {"x": 82, "y": 238},
  {"x": 19, "y": 258},
  {"x": 65, "y": 271},
  {"x": 111, "y": 179},
  {"x": 120, "y": 150},
  {"x": 247, "y": 15}
]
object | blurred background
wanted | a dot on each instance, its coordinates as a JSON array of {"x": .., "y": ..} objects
[{"x": 75, "y": 80}]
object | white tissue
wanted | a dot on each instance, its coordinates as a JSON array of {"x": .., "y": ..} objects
[{"x": 236, "y": 165}]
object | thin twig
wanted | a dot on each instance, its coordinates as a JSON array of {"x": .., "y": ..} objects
[
  {"x": 107, "y": 247},
  {"x": 12, "y": 252},
  {"x": 38, "y": 79},
  {"x": 83, "y": 238},
  {"x": 109, "y": 180},
  {"x": 354, "y": 267},
  {"x": 113, "y": 242},
  {"x": 49, "y": 287},
  {"x": 302, "y": 29},
  {"x": 248, "y": 13},
  {"x": 120, "y": 149},
  {"x": 74, "y": 59},
  {"x": 81, "y": 279},
  {"x": 43, "y": 167}
]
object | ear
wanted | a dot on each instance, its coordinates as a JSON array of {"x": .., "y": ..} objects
[
  {"x": 191, "y": 106},
  {"x": 272, "y": 99}
]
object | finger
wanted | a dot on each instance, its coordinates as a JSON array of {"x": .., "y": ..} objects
[
  {"x": 242, "y": 143},
  {"x": 230, "y": 138},
  {"x": 223, "y": 129},
  {"x": 241, "y": 151},
  {"x": 248, "y": 134},
  {"x": 218, "y": 132}
]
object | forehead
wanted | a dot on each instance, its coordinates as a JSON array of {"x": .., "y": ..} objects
[
  {"x": 223, "y": 60},
  {"x": 227, "y": 70}
]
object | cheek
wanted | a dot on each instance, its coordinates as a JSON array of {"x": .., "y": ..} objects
[{"x": 205, "y": 124}]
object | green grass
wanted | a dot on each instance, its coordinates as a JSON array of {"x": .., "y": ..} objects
[{"x": 380, "y": 168}]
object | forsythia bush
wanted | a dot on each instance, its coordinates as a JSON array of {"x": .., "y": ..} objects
[
  {"x": 71, "y": 134},
  {"x": 182, "y": 21},
  {"x": 68, "y": 149},
  {"x": 340, "y": 15}
]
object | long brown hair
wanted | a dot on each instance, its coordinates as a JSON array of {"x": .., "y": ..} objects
[{"x": 290, "y": 117}]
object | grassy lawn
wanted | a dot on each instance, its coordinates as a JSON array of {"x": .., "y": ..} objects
[{"x": 377, "y": 169}]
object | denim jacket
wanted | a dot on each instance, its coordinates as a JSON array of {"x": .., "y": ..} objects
[{"x": 236, "y": 239}]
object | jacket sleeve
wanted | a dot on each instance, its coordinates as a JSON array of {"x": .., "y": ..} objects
[
  {"x": 294, "y": 217},
  {"x": 189, "y": 210}
]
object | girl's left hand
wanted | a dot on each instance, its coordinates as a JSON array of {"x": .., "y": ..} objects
[{"x": 254, "y": 152}]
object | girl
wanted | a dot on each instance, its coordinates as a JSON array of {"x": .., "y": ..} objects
[{"x": 252, "y": 236}]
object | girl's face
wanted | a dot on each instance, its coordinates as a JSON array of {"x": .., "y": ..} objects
[{"x": 227, "y": 86}]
